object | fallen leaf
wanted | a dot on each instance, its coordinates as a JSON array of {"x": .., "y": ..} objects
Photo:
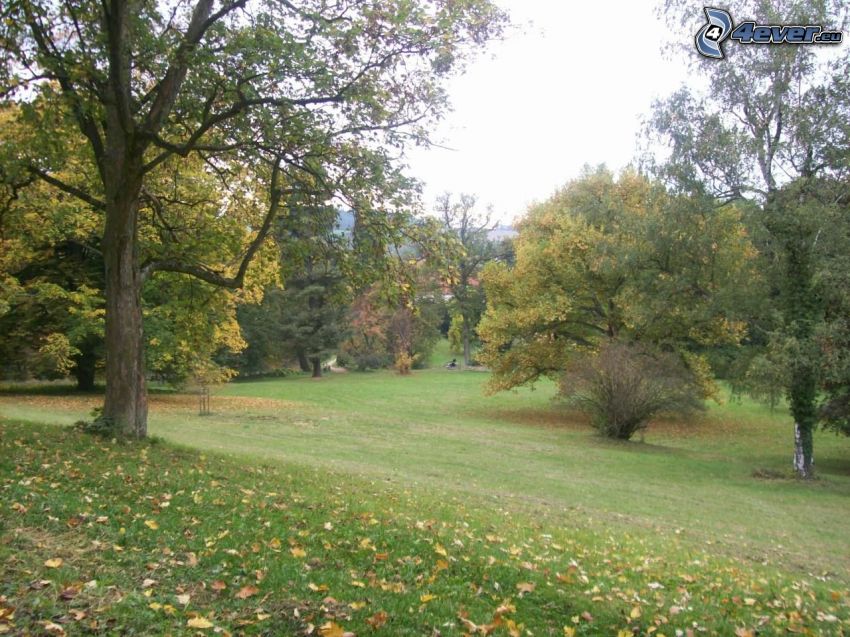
[
  {"x": 218, "y": 585},
  {"x": 525, "y": 587},
  {"x": 153, "y": 525},
  {"x": 427, "y": 597},
  {"x": 330, "y": 629},
  {"x": 199, "y": 622},
  {"x": 635, "y": 614},
  {"x": 55, "y": 562},
  {"x": 298, "y": 552},
  {"x": 184, "y": 598},
  {"x": 69, "y": 593},
  {"x": 247, "y": 591},
  {"x": 377, "y": 620}
]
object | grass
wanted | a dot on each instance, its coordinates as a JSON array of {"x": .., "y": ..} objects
[{"x": 710, "y": 501}]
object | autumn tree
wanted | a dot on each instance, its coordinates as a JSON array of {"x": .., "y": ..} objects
[
  {"x": 772, "y": 129},
  {"x": 470, "y": 228},
  {"x": 275, "y": 98},
  {"x": 609, "y": 259}
]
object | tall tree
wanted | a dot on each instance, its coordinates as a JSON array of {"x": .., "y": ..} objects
[
  {"x": 470, "y": 228},
  {"x": 276, "y": 97},
  {"x": 773, "y": 128}
]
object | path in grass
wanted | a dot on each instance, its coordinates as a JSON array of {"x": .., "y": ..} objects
[{"x": 436, "y": 430}]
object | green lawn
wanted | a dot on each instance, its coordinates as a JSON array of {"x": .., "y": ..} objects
[{"x": 519, "y": 463}]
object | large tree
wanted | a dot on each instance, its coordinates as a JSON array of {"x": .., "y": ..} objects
[
  {"x": 276, "y": 97},
  {"x": 773, "y": 126},
  {"x": 609, "y": 259}
]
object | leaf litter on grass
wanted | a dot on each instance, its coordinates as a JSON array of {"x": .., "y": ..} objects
[{"x": 246, "y": 549}]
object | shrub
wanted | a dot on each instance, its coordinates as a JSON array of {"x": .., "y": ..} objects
[
  {"x": 623, "y": 386},
  {"x": 403, "y": 363}
]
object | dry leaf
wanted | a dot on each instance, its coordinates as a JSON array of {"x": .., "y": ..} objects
[
  {"x": 525, "y": 587},
  {"x": 199, "y": 622},
  {"x": 330, "y": 629},
  {"x": 153, "y": 525},
  {"x": 55, "y": 562},
  {"x": 247, "y": 591},
  {"x": 377, "y": 620}
]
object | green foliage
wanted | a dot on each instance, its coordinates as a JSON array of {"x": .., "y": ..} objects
[
  {"x": 456, "y": 334},
  {"x": 189, "y": 129},
  {"x": 606, "y": 258},
  {"x": 772, "y": 129}
]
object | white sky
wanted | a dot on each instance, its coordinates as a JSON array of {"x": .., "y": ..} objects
[{"x": 570, "y": 88}]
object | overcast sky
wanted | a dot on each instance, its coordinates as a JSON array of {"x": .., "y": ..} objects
[{"x": 569, "y": 89}]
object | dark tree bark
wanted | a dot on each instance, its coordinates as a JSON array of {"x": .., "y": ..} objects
[
  {"x": 85, "y": 366},
  {"x": 317, "y": 367},
  {"x": 303, "y": 361}
]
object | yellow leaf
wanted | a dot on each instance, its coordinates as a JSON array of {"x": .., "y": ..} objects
[
  {"x": 297, "y": 551},
  {"x": 569, "y": 631},
  {"x": 199, "y": 622},
  {"x": 153, "y": 525},
  {"x": 635, "y": 612},
  {"x": 440, "y": 550},
  {"x": 56, "y": 562},
  {"x": 331, "y": 629},
  {"x": 427, "y": 597},
  {"x": 154, "y": 605}
]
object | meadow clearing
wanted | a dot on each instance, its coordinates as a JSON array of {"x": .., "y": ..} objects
[{"x": 375, "y": 503}]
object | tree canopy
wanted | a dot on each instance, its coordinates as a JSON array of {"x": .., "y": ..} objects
[{"x": 167, "y": 117}]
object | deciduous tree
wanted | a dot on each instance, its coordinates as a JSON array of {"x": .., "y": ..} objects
[{"x": 276, "y": 98}]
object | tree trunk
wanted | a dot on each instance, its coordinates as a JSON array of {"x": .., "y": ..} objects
[
  {"x": 803, "y": 457},
  {"x": 303, "y": 362},
  {"x": 467, "y": 354},
  {"x": 801, "y": 311},
  {"x": 85, "y": 366},
  {"x": 126, "y": 402},
  {"x": 317, "y": 367}
]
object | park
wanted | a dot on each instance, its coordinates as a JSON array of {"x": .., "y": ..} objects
[{"x": 289, "y": 347}]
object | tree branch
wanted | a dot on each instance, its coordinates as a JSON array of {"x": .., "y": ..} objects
[
  {"x": 71, "y": 190},
  {"x": 205, "y": 273}
]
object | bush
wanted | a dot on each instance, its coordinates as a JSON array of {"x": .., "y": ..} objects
[{"x": 623, "y": 386}]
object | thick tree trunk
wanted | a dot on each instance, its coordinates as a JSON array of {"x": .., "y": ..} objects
[
  {"x": 317, "y": 367},
  {"x": 126, "y": 403}
]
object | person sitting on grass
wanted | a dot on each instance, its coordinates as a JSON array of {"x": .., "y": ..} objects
[{"x": 452, "y": 365}]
